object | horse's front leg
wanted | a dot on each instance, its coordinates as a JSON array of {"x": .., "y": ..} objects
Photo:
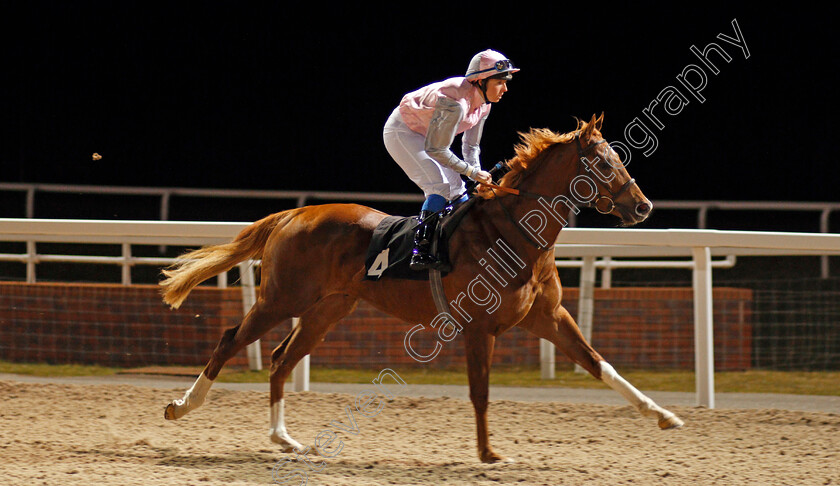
[
  {"x": 479, "y": 347},
  {"x": 550, "y": 320}
]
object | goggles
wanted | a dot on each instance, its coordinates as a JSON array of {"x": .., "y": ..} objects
[{"x": 500, "y": 66}]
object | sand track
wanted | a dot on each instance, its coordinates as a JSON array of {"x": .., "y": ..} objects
[{"x": 116, "y": 435}]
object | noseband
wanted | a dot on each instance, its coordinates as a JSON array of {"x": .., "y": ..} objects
[{"x": 613, "y": 195}]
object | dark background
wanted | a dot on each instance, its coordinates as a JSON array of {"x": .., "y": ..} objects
[
  {"x": 262, "y": 95},
  {"x": 258, "y": 95}
]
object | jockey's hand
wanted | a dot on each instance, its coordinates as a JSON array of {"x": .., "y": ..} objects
[{"x": 483, "y": 176}]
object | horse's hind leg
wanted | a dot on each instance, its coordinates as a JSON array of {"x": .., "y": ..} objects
[
  {"x": 549, "y": 320},
  {"x": 310, "y": 331},
  {"x": 261, "y": 318}
]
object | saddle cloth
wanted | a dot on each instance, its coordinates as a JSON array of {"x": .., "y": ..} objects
[{"x": 389, "y": 252}]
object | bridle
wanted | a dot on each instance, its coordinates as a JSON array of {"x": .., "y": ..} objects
[
  {"x": 594, "y": 204},
  {"x": 613, "y": 195}
]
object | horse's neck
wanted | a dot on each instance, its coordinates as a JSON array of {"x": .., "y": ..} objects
[
  {"x": 529, "y": 224},
  {"x": 547, "y": 201}
]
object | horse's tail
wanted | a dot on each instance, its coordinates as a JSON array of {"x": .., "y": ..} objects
[{"x": 194, "y": 267}]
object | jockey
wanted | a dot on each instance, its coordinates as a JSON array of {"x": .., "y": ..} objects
[{"x": 420, "y": 131}]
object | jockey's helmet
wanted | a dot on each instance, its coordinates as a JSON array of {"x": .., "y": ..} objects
[{"x": 490, "y": 64}]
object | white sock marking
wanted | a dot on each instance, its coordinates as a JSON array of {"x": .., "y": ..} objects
[
  {"x": 638, "y": 399},
  {"x": 194, "y": 397},
  {"x": 278, "y": 431}
]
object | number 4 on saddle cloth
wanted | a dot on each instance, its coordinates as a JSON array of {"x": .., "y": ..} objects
[{"x": 389, "y": 252}]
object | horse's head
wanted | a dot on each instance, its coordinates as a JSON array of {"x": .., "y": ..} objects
[{"x": 617, "y": 192}]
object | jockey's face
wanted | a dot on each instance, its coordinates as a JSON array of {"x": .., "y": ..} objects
[{"x": 495, "y": 89}]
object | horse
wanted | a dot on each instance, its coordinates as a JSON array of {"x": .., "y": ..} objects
[{"x": 551, "y": 175}]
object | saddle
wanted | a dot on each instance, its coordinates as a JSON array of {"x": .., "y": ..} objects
[{"x": 389, "y": 252}]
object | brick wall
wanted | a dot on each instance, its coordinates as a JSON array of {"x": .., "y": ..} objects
[
  {"x": 111, "y": 325},
  {"x": 118, "y": 325}
]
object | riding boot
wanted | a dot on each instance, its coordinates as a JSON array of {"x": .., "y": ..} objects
[{"x": 421, "y": 256}]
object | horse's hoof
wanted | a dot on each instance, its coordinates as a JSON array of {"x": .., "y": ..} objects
[
  {"x": 493, "y": 458},
  {"x": 672, "y": 422},
  {"x": 287, "y": 444},
  {"x": 169, "y": 412}
]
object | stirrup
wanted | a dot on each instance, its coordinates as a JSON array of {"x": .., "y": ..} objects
[{"x": 422, "y": 261}]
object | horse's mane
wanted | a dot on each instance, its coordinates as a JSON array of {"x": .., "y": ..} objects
[{"x": 527, "y": 152}]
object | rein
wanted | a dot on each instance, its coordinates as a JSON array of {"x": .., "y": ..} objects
[
  {"x": 581, "y": 154},
  {"x": 517, "y": 192}
]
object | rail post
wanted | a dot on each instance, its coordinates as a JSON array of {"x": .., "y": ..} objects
[
  {"x": 704, "y": 365},
  {"x": 249, "y": 298},
  {"x": 547, "y": 360},
  {"x": 300, "y": 375},
  {"x": 825, "y": 271},
  {"x": 126, "y": 264},
  {"x": 31, "y": 260},
  {"x": 586, "y": 301}
]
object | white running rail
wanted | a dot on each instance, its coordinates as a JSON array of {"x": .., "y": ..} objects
[
  {"x": 301, "y": 198},
  {"x": 698, "y": 245}
]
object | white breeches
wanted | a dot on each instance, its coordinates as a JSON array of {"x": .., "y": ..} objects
[{"x": 407, "y": 148}]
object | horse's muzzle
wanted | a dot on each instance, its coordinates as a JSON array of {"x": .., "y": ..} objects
[{"x": 643, "y": 209}]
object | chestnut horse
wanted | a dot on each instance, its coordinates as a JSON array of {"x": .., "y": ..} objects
[{"x": 313, "y": 267}]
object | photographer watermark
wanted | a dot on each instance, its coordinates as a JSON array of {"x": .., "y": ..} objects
[
  {"x": 638, "y": 135},
  {"x": 673, "y": 99}
]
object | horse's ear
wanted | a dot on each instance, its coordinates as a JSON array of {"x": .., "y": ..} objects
[
  {"x": 599, "y": 122},
  {"x": 586, "y": 133}
]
